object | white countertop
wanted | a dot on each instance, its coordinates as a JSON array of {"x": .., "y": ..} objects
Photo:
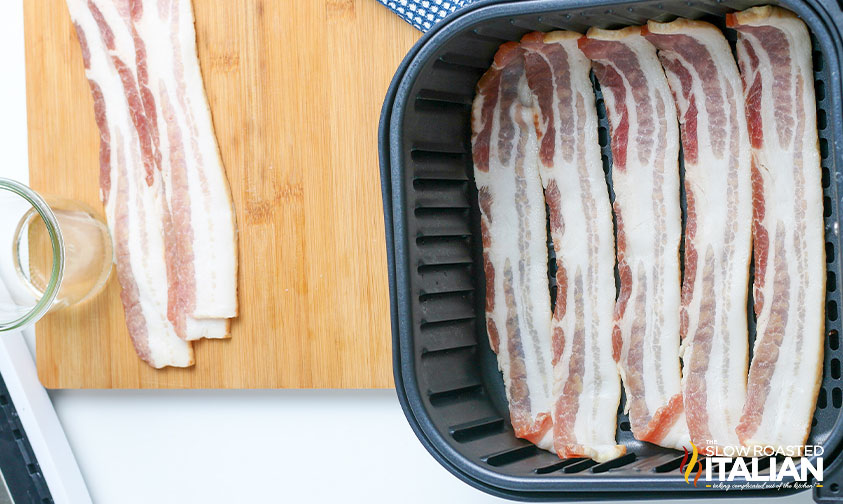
[{"x": 232, "y": 446}]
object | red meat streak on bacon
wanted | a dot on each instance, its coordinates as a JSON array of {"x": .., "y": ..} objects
[
  {"x": 639, "y": 413},
  {"x": 511, "y": 61},
  {"x": 181, "y": 292},
  {"x": 130, "y": 89},
  {"x": 554, "y": 204},
  {"x": 129, "y": 294},
  {"x": 690, "y": 259},
  {"x": 776, "y": 45},
  {"x": 760, "y": 235},
  {"x": 484, "y": 200},
  {"x": 612, "y": 82},
  {"x": 696, "y": 367},
  {"x": 147, "y": 98},
  {"x": 99, "y": 117},
  {"x": 488, "y": 88},
  {"x": 760, "y": 238},
  {"x": 623, "y": 61},
  {"x": 568, "y": 404},
  {"x": 139, "y": 120},
  {"x": 182, "y": 96},
  {"x": 625, "y": 274},
  {"x": 690, "y": 143},
  {"x": 540, "y": 79}
]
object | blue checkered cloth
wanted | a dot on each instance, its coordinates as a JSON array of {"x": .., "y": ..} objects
[{"x": 423, "y": 14}]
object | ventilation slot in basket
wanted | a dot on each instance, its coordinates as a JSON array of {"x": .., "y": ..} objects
[
  {"x": 448, "y": 306},
  {"x": 511, "y": 456},
  {"x": 435, "y": 193},
  {"x": 462, "y": 61},
  {"x": 442, "y": 102},
  {"x": 445, "y": 278},
  {"x": 444, "y": 250},
  {"x": 456, "y": 395},
  {"x": 442, "y": 221},
  {"x": 478, "y": 429},
  {"x": 669, "y": 466},
  {"x": 614, "y": 464},
  {"x": 448, "y": 335},
  {"x": 557, "y": 466},
  {"x": 444, "y": 97},
  {"x": 580, "y": 466}
]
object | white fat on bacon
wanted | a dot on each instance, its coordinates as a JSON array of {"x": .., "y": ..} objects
[
  {"x": 707, "y": 89},
  {"x": 645, "y": 177},
  {"x": 586, "y": 385},
  {"x": 774, "y": 53},
  {"x": 513, "y": 224},
  {"x": 196, "y": 186},
  {"x": 131, "y": 185}
]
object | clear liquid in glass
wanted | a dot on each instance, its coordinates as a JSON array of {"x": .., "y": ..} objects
[{"x": 89, "y": 255}]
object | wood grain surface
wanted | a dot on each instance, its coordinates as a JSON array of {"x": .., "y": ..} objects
[{"x": 295, "y": 88}]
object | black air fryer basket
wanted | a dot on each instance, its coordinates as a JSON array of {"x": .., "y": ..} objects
[{"x": 445, "y": 372}]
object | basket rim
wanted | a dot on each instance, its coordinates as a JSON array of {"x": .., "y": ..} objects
[{"x": 828, "y": 31}]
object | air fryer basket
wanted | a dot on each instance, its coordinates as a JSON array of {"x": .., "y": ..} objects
[{"x": 445, "y": 372}]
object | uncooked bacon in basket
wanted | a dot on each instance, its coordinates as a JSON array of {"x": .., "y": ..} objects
[{"x": 752, "y": 176}]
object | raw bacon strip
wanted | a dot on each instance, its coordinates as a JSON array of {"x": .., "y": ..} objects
[
  {"x": 513, "y": 225},
  {"x": 707, "y": 89},
  {"x": 774, "y": 53},
  {"x": 130, "y": 183},
  {"x": 586, "y": 385},
  {"x": 645, "y": 176},
  {"x": 204, "y": 243},
  {"x": 176, "y": 137}
]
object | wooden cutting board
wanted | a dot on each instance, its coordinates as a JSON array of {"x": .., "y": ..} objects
[{"x": 295, "y": 88}]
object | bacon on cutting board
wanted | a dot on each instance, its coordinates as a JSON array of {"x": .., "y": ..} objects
[
  {"x": 645, "y": 177},
  {"x": 130, "y": 183},
  {"x": 204, "y": 242},
  {"x": 707, "y": 89},
  {"x": 586, "y": 385},
  {"x": 178, "y": 276},
  {"x": 774, "y": 53},
  {"x": 513, "y": 225}
]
